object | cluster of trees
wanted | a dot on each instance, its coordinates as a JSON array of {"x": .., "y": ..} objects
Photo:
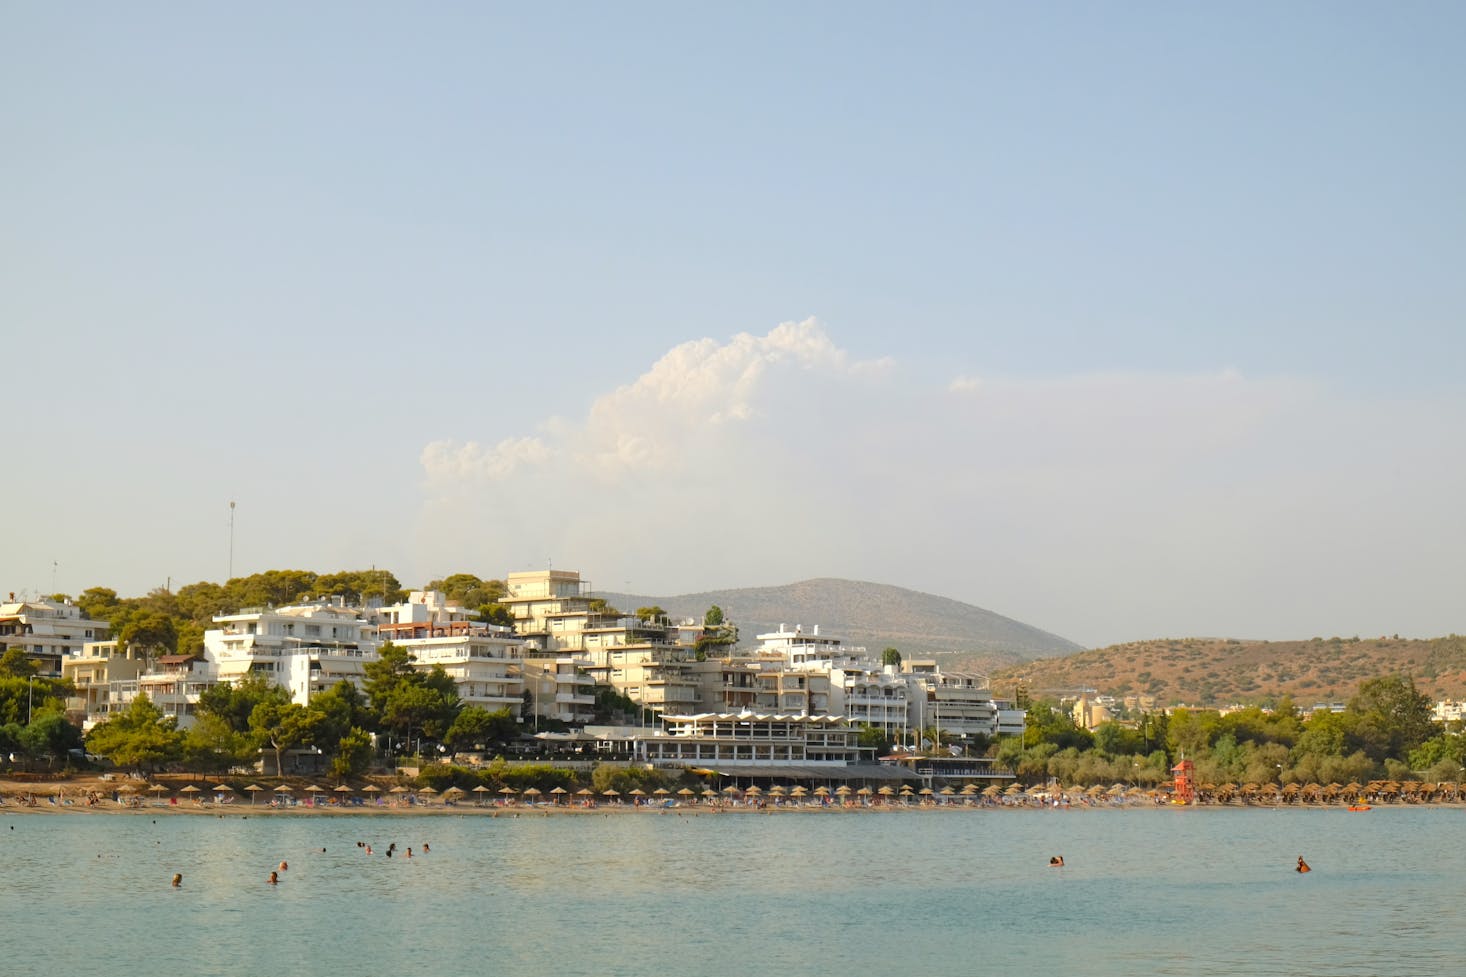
[
  {"x": 1385, "y": 732},
  {"x": 173, "y": 621},
  {"x": 398, "y": 705},
  {"x": 33, "y": 723}
]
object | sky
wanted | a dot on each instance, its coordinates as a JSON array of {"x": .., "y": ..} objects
[{"x": 1123, "y": 320}]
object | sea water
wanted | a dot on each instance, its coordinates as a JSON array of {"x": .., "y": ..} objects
[{"x": 1196, "y": 891}]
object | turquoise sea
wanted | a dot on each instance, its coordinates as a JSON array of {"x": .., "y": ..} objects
[{"x": 1196, "y": 891}]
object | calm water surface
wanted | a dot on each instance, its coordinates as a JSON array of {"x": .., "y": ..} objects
[{"x": 1143, "y": 892}]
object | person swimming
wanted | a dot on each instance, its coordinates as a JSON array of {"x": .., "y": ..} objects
[
  {"x": 274, "y": 878},
  {"x": 1057, "y": 861},
  {"x": 425, "y": 848},
  {"x": 177, "y": 879},
  {"x": 1302, "y": 865},
  {"x": 284, "y": 866}
]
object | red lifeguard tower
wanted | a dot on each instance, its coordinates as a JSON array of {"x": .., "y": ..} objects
[{"x": 1183, "y": 790}]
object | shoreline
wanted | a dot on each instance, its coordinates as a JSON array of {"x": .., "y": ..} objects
[{"x": 96, "y": 796}]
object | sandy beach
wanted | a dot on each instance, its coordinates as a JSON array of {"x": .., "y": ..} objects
[{"x": 175, "y": 795}]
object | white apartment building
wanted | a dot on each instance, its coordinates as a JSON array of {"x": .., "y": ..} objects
[
  {"x": 47, "y": 632},
  {"x": 483, "y": 660},
  {"x": 808, "y": 649},
  {"x": 957, "y": 704},
  {"x": 305, "y": 648},
  {"x": 875, "y": 696},
  {"x": 555, "y": 614}
]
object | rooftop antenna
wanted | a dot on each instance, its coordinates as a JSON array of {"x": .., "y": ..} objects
[
  {"x": 53, "y": 577},
  {"x": 231, "y": 542}
]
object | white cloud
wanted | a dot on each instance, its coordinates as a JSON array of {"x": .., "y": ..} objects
[
  {"x": 658, "y": 422},
  {"x": 1101, "y": 507},
  {"x": 447, "y": 460},
  {"x": 964, "y": 385}
]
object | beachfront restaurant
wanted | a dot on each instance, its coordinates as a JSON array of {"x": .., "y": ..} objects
[{"x": 748, "y": 747}]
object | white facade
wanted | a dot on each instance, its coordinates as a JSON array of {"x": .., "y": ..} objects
[
  {"x": 483, "y": 664},
  {"x": 47, "y": 632},
  {"x": 808, "y": 649},
  {"x": 872, "y": 696},
  {"x": 483, "y": 660},
  {"x": 305, "y": 648},
  {"x": 957, "y": 703},
  {"x": 750, "y": 740}
]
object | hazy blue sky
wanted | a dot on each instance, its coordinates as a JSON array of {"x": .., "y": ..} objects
[{"x": 1125, "y": 320}]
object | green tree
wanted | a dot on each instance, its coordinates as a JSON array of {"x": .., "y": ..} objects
[
  {"x": 891, "y": 656},
  {"x": 15, "y": 664},
  {"x": 139, "y": 739},
  {"x": 1047, "y": 724},
  {"x": 50, "y": 736},
  {"x": 871, "y": 738},
  {"x": 353, "y": 755},
  {"x": 477, "y": 728},
  {"x": 283, "y": 726},
  {"x": 651, "y": 614},
  {"x": 408, "y": 700},
  {"x": 1394, "y": 718},
  {"x": 468, "y": 590},
  {"x": 211, "y": 744},
  {"x": 235, "y": 701},
  {"x": 151, "y": 631},
  {"x": 342, "y": 707},
  {"x": 496, "y": 613},
  {"x": 713, "y": 617}
]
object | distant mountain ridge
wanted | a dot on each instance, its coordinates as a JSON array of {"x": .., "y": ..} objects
[{"x": 872, "y": 615}]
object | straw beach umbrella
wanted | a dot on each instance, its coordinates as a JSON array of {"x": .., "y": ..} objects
[
  {"x": 480, "y": 790},
  {"x": 252, "y": 790}
]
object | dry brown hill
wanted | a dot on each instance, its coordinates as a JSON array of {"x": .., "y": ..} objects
[{"x": 1219, "y": 671}]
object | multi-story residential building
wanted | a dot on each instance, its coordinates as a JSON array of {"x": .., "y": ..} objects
[
  {"x": 306, "y": 648},
  {"x": 483, "y": 660},
  {"x": 558, "y": 690},
  {"x": 551, "y": 608},
  {"x": 724, "y": 684},
  {"x": 874, "y": 696},
  {"x": 174, "y": 685},
  {"x": 47, "y": 632},
  {"x": 808, "y": 649},
  {"x": 91, "y": 673},
  {"x": 957, "y": 704},
  {"x": 555, "y": 614}
]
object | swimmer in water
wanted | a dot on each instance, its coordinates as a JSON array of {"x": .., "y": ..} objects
[
  {"x": 1057, "y": 861},
  {"x": 284, "y": 866},
  {"x": 425, "y": 848},
  {"x": 1302, "y": 866},
  {"x": 409, "y": 853},
  {"x": 177, "y": 879},
  {"x": 274, "y": 878}
]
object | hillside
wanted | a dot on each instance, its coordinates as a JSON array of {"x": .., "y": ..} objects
[
  {"x": 1215, "y": 671},
  {"x": 872, "y": 615}
]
